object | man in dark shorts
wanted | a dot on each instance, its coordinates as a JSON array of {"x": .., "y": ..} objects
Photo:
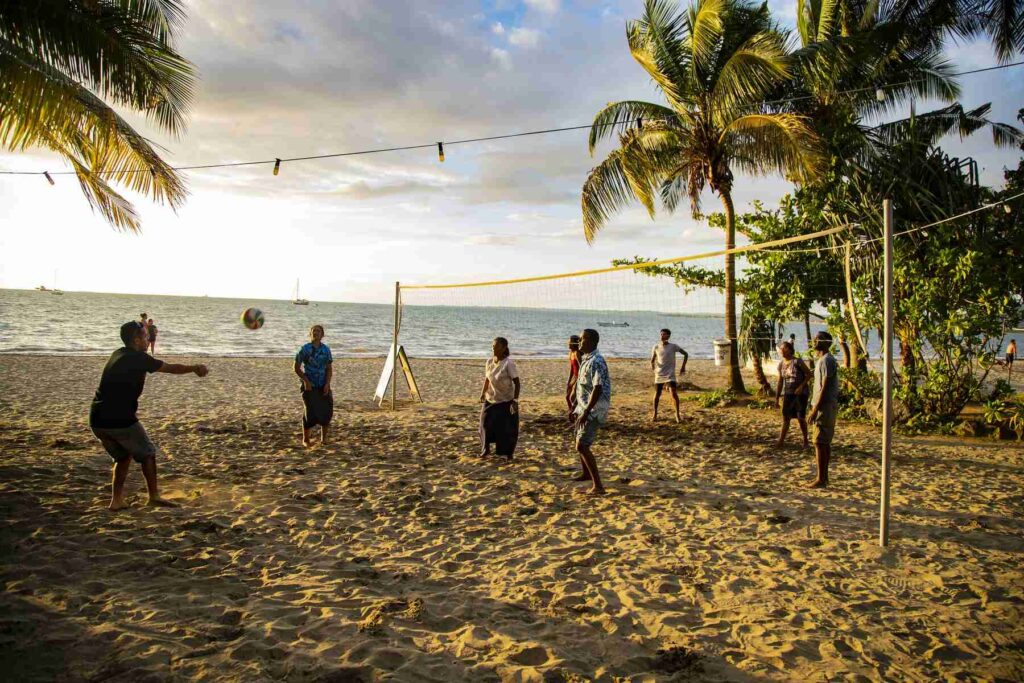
[
  {"x": 663, "y": 362},
  {"x": 112, "y": 416},
  {"x": 313, "y": 365},
  {"x": 824, "y": 406},
  {"x": 793, "y": 389},
  {"x": 1011, "y": 354},
  {"x": 151, "y": 330}
]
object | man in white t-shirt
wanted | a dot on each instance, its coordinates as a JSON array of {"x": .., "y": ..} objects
[
  {"x": 663, "y": 362},
  {"x": 499, "y": 417}
]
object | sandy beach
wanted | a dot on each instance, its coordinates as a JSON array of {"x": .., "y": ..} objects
[{"x": 395, "y": 553}]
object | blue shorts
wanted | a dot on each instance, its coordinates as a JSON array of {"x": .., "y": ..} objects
[{"x": 587, "y": 432}]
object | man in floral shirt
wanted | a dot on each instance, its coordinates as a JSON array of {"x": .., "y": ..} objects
[
  {"x": 313, "y": 365},
  {"x": 593, "y": 398}
]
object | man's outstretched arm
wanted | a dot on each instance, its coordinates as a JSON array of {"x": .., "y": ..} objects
[{"x": 179, "y": 369}]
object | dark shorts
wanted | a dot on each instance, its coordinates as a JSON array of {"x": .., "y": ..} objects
[
  {"x": 824, "y": 427},
  {"x": 794, "y": 406},
  {"x": 667, "y": 383},
  {"x": 318, "y": 409},
  {"x": 1009, "y": 359},
  {"x": 126, "y": 442}
]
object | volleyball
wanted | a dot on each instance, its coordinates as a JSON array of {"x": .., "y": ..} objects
[{"x": 252, "y": 318}]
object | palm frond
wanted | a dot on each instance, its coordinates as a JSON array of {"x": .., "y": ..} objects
[
  {"x": 782, "y": 143},
  {"x": 704, "y": 28},
  {"x": 751, "y": 72},
  {"x": 619, "y": 117},
  {"x": 932, "y": 126},
  {"x": 117, "y": 49},
  {"x": 655, "y": 44},
  {"x": 605, "y": 192},
  {"x": 43, "y": 107}
]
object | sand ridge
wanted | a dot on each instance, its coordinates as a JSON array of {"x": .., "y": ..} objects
[{"x": 396, "y": 553}]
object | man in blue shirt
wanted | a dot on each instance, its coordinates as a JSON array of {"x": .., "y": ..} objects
[
  {"x": 593, "y": 398},
  {"x": 313, "y": 365}
]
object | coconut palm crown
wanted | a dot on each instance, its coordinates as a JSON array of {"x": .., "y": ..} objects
[
  {"x": 64, "y": 67},
  {"x": 716, "y": 63}
]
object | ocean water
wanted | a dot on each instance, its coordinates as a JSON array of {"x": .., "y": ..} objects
[{"x": 83, "y": 323}]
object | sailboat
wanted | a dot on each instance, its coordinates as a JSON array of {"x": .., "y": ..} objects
[
  {"x": 55, "y": 290},
  {"x": 297, "y": 301}
]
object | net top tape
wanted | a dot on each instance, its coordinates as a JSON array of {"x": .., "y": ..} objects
[{"x": 636, "y": 266}]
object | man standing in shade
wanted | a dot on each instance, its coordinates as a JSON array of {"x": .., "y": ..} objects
[
  {"x": 112, "y": 416},
  {"x": 824, "y": 405},
  {"x": 593, "y": 399},
  {"x": 663, "y": 362},
  {"x": 313, "y": 365}
]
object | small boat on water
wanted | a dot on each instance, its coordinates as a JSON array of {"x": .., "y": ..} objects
[
  {"x": 612, "y": 324},
  {"x": 42, "y": 288},
  {"x": 297, "y": 301},
  {"x": 55, "y": 291}
]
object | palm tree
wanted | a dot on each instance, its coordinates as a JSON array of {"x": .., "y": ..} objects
[
  {"x": 715, "y": 64},
  {"x": 65, "y": 65}
]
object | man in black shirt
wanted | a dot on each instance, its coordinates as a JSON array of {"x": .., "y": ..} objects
[{"x": 112, "y": 416}]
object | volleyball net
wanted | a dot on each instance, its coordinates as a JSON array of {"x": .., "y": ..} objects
[{"x": 628, "y": 304}]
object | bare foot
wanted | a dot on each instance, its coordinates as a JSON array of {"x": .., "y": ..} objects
[
  {"x": 806, "y": 445},
  {"x": 778, "y": 445},
  {"x": 817, "y": 484},
  {"x": 677, "y": 418},
  {"x": 306, "y": 443},
  {"x": 654, "y": 418},
  {"x": 581, "y": 477},
  {"x": 162, "y": 503},
  {"x": 597, "y": 491},
  {"x": 116, "y": 505}
]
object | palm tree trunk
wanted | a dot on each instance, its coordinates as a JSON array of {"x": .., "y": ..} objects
[
  {"x": 847, "y": 356},
  {"x": 735, "y": 379},
  {"x": 759, "y": 373}
]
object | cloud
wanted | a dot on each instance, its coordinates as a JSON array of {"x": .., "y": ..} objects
[
  {"x": 524, "y": 37},
  {"x": 364, "y": 190},
  {"x": 546, "y": 6},
  {"x": 493, "y": 240},
  {"x": 502, "y": 57},
  {"x": 497, "y": 28}
]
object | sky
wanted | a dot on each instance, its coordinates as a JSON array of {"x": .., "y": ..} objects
[{"x": 313, "y": 77}]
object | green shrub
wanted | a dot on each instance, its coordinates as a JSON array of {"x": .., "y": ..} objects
[
  {"x": 715, "y": 399},
  {"x": 1001, "y": 390}
]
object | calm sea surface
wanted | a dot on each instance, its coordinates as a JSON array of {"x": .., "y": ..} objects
[{"x": 82, "y": 323}]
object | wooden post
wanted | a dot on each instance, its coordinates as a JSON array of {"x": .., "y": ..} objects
[
  {"x": 394, "y": 348},
  {"x": 883, "y": 525}
]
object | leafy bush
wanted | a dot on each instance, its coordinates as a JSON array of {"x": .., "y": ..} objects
[
  {"x": 1015, "y": 416},
  {"x": 715, "y": 399},
  {"x": 994, "y": 412},
  {"x": 1001, "y": 390}
]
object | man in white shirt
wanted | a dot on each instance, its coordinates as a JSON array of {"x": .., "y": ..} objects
[
  {"x": 499, "y": 417},
  {"x": 663, "y": 362}
]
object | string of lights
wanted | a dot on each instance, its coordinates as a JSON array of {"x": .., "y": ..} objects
[{"x": 880, "y": 94}]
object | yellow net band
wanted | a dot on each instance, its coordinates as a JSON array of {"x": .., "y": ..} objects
[{"x": 635, "y": 266}]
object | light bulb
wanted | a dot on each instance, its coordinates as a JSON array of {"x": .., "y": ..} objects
[
  {"x": 880, "y": 95},
  {"x": 277, "y": 166},
  {"x": 440, "y": 151},
  {"x": 47, "y": 174}
]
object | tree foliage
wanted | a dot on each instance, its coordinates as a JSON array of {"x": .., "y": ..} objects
[{"x": 64, "y": 67}]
